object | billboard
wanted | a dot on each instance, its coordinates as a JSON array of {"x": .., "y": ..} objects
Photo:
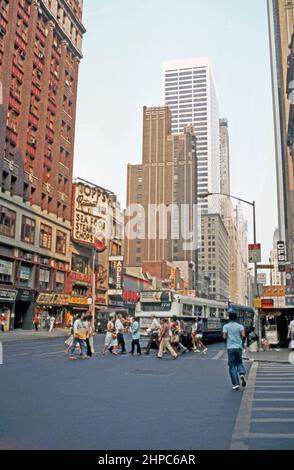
[
  {"x": 155, "y": 296},
  {"x": 281, "y": 256},
  {"x": 90, "y": 212}
]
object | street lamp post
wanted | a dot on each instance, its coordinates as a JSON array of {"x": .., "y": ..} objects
[{"x": 252, "y": 204}]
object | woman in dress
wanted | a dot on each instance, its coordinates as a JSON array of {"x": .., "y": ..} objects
[{"x": 110, "y": 337}]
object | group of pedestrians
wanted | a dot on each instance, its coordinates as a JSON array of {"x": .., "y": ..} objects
[
  {"x": 169, "y": 336},
  {"x": 82, "y": 336}
]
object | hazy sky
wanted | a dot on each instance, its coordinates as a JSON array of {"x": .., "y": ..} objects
[{"x": 124, "y": 47}]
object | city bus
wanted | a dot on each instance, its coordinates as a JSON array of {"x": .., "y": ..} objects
[{"x": 213, "y": 313}]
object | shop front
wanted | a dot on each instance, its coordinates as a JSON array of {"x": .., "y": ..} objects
[
  {"x": 272, "y": 325},
  {"x": 56, "y": 305},
  {"x": 78, "y": 305},
  {"x": 7, "y": 308},
  {"x": 24, "y": 309}
]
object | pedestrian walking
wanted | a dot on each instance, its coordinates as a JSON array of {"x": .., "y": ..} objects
[
  {"x": 80, "y": 334},
  {"x": 291, "y": 334},
  {"x": 194, "y": 335},
  {"x": 154, "y": 333},
  {"x": 89, "y": 339},
  {"x": 51, "y": 323},
  {"x": 110, "y": 337},
  {"x": 36, "y": 322},
  {"x": 135, "y": 330},
  {"x": 199, "y": 336},
  {"x": 164, "y": 339},
  {"x": 175, "y": 336},
  {"x": 119, "y": 329},
  {"x": 234, "y": 333}
]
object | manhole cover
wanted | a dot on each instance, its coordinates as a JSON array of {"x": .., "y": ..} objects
[{"x": 151, "y": 372}]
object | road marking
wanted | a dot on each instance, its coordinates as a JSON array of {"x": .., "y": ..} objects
[
  {"x": 242, "y": 425},
  {"x": 274, "y": 391},
  {"x": 268, "y": 435},
  {"x": 274, "y": 386},
  {"x": 274, "y": 399},
  {"x": 218, "y": 355},
  {"x": 272, "y": 409},
  {"x": 272, "y": 420}
]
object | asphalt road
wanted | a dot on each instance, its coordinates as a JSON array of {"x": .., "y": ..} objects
[{"x": 124, "y": 402}]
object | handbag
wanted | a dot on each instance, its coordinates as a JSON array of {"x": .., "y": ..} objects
[
  {"x": 175, "y": 339},
  {"x": 114, "y": 335},
  {"x": 82, "y": 333}
]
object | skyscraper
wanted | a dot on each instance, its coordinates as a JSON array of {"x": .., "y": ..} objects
[
  {"x": 167, "y": 176},
  {"x": 189, "y": 91},
  {"x": 40, "y": 52},
  {"x": 224, "y": 156},
  {"x": 281, "y": 22}
]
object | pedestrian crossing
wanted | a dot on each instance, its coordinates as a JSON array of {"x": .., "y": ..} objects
[{"x": 266, "y": 417}]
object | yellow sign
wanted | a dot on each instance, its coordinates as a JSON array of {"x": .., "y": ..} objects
[
  {"x": 257, "y": 302},
  {"x": 78, "y": 301},
  {"x": 274, "y": 291}
]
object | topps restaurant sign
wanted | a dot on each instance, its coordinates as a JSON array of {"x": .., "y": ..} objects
[{"x": 90, "y": 206}]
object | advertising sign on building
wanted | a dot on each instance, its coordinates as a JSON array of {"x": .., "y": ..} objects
[
  {"x": 116, "y": 270},
  {"x": 281, "y": 256},
  {"x": 273, "y": 291},
  {"x": 261, "y": 278},
  {"x": 90, "y": 211},
  {"x": 153, "y": 297},
  {"x": 254, "y": 253}
]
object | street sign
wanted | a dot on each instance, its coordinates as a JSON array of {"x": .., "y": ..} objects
[
  {"x": 254, "y": 253},
  {"x": 281, "y": 256}
]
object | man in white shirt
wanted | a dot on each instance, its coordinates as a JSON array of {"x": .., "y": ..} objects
[
  {"x": 154, "y": 333},
  {"x": 119, "y": 329}
]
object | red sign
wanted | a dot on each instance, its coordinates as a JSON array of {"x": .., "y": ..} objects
[
  {"x": 256, "y": 246},
  {"x": 130, "y": 296},
  {"x": 73, "y": 277},
  {"x": 267, "y": 303}
]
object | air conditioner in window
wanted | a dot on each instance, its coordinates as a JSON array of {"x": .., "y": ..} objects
[
  {"x": 41, "y": 55},
  {"x": 49, "y": 154},
  {"x": 28, "y": 256},
  {"x": 22, "y": 55},
  {"x": 39, "y": 75},
  {"x": 67, "y": 83},
  {"x": 56, "y": 73},
  {"x": 45, "y": 261},
  {"x": 2, "y": 32},
  {"x": 33, "y": 141}
]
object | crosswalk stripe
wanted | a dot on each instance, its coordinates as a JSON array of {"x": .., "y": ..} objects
[{"x": 272, "y": 420}]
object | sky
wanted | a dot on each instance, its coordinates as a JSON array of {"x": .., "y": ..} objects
[{"x": 124, "y": 48}]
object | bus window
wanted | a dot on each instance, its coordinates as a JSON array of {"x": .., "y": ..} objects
[
  {"x": 212, "y": 312},
  {"x": 198, "y": 311},
  {"x": 221, "y": 313},
  {"x": 187, "y": 310}
]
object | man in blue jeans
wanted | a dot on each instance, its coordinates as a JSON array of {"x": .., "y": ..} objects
[{"x": 233, "y": 333}]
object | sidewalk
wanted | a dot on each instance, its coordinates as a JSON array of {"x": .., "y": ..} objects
[
  {"x": 30, "y": 335},
  {"x": 281, "y": 356}
]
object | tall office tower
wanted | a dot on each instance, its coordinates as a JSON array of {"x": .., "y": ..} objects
[
  {"x": 40, "y": 52},
  {"x": 281, "y": 22},
  {"x": 214, "y": 258},
  {"x": 189, "y": 91},
  {"x": 224, "y": 156},
  {"x": 167, "y": 175}
]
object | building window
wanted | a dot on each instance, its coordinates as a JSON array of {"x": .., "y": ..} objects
[
  {"x": 6, "y": 272},
  {"x": 60, "y": 281},
  {"x": 45, "y": 236},
  {"x": 44, "y": 279},
  {"x": 26, "y": 276},
  {"x": 60, "y": 242},
  {"x": 7, "y": 222},
  {"x": 80, "y": 264},
  {"x": 28, "y": 230}
]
